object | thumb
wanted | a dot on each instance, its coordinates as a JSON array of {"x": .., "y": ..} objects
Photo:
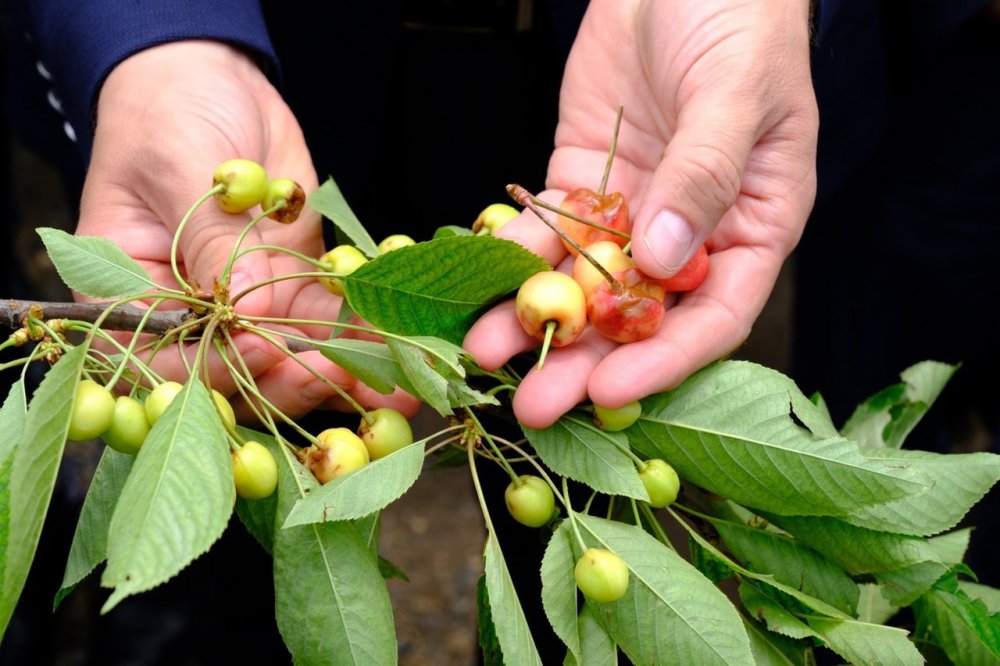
[{"x": 696, "y": 182}]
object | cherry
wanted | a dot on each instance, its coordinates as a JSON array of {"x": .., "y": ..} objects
[
  {"x": 225, "y": 410},
  {"x": 384, "y": 431},
  {"x": 245, "y": 184},
  {"x": 551, "y": 297},
  {"x": 394, "y": 242},
  {"x": 342, "y": 260},
  {"x": 255, "y": 471},
  {"x": 530, "y": 500},
  {"x": 691, "y": 275},
  {"x": 601, "y": 575},
  {"x": 607, "y": 210},
  {"x": 661, "y": 482},
  {"x": 493, "y": 218},
  {"x": 609, "y": 255},
  {"x": 287, "y": 190},
  {"x": 92, "y": 412},
  {"x": 629, "y": 310},
  {"x": 613, "y": 420},
  {"x": 159, "y": 399},
  {"x": 129, "y": 426},
  {"x": 338, "y": 452}
]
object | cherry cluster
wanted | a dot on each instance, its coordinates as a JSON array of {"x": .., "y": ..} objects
[{"x": 607, "y": 289}]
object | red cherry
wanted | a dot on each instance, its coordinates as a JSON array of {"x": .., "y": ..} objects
[
  {"x": 608, "y": 210},
  {"x": 691, "y": 274},
  {"x": 629, "y": 310}
]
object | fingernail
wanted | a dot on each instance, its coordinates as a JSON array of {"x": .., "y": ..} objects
[{"x": 669, "y": 239}]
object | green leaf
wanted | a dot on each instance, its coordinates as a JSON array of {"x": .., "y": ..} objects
[
  {"x": 904, "y": 585},
  {"x": 371, "y": 362},
  {"x": 390, "y": 570},
  {"x": 765, "y": 603},
  {"x": 790, "y": 562},
  {"x": 886, "y": 418},
  {"x": 730, "y": 429},
  {"x": 770, "y": 649},
  {"x": 94, "y": 266},
  {"x": 257, "y": 517},
  {"x": 861, "y": 643},
  {"x": 331, "y": 602},
  {"x": 559, "y": 588},
  {"x": 873, "y": 607},
  {"x": 90, "y": 541},
  {"x": 176, "y": 502},
  {"x": 857, "y": 549},
  {"x": 34, "y": 465},
  {"x": 990, "y": 596},
  {"x": 951, "y": 547},
  {"x": 710, "y": 566},
  {"x": 596, "y": 646},
  {"x": 670, "y": 613},
  {"x": 960, "y": 480},
  {"x": 509, "y": 622},
  {"x": 439, "y": 287},
  {"x": 963, "y": 627},
  {"x": 362, "y": 492},
  {"x": 428, "y": 385},
  {"x": 12, "y": 417},
  {"x": 452, "y": 230},
  {"x": 489, "y": 644},
  {"x": 5, "y": 471},
  {"x": 574, "y": 447},
  {"x": 330, "y": 203}
]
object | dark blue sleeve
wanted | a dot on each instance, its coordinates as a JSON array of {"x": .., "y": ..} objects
[{"x": 79, "y": 43}]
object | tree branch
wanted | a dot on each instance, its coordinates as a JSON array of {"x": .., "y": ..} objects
[{"x": 13, "y": 314}]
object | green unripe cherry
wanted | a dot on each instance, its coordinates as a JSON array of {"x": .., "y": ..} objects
[
  {"x": 342, "y": 260},
  {"x": 225, "y": 410},
  {"x": 245, "y": 184},
  {"x": 661, "y": 482},
  {"x": 493, "y": 218},
  {"x": 384, "y": 431},
  {"x": 159, "y": 399},
  {"x": 530, "y": 500},
  {"x": 291, "y": 193},
  {"x": 92, "y": 412},
  {"x": 394, "y": 242},
  {"x": 129, "y": 426},
  {"x": 338, "y": 452},
  {"x": 255, "y": 471},
  {"x": 613, "y": 420},
  {"x": 601, "y": 575}
]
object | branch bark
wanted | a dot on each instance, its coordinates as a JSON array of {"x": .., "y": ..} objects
[{"x": 13, "y": 314}]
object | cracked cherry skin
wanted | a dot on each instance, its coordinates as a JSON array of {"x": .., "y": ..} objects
[
  {"x": 628, "y": 311},
  {"x": 551, "y": 296},
  {"x": 608, "y": 210}
]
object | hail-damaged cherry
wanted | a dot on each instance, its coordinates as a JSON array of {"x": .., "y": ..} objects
[
  {"x": 691, "y": 275},
  {"x": 631, "y": 309}
]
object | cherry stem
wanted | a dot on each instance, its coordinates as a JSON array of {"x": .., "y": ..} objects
[
  {"x": 525, "y": 198},
  {"x": 224, "y": 278},
  {"x": 571, "y": 515},
  {"x": 127, "y": 356},
  {"x": 655, "y": 525},
  {"x": 541, "y": 203},
  {"x": 611, "y": 151},
  {"x": 550, "y": 329},
  {"x": 180, "y": 228}
]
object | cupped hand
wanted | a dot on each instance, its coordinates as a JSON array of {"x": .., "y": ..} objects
[
  {"x": 166, "y": 117},
  {"x": 717, "y": 146}
]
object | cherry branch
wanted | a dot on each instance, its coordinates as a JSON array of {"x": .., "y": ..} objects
[{"x": 14, "y": 313}]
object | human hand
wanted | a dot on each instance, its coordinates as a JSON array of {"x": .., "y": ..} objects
[
  {"x": 717, "y": 146},
  {"x": 167, "y": 117}
]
